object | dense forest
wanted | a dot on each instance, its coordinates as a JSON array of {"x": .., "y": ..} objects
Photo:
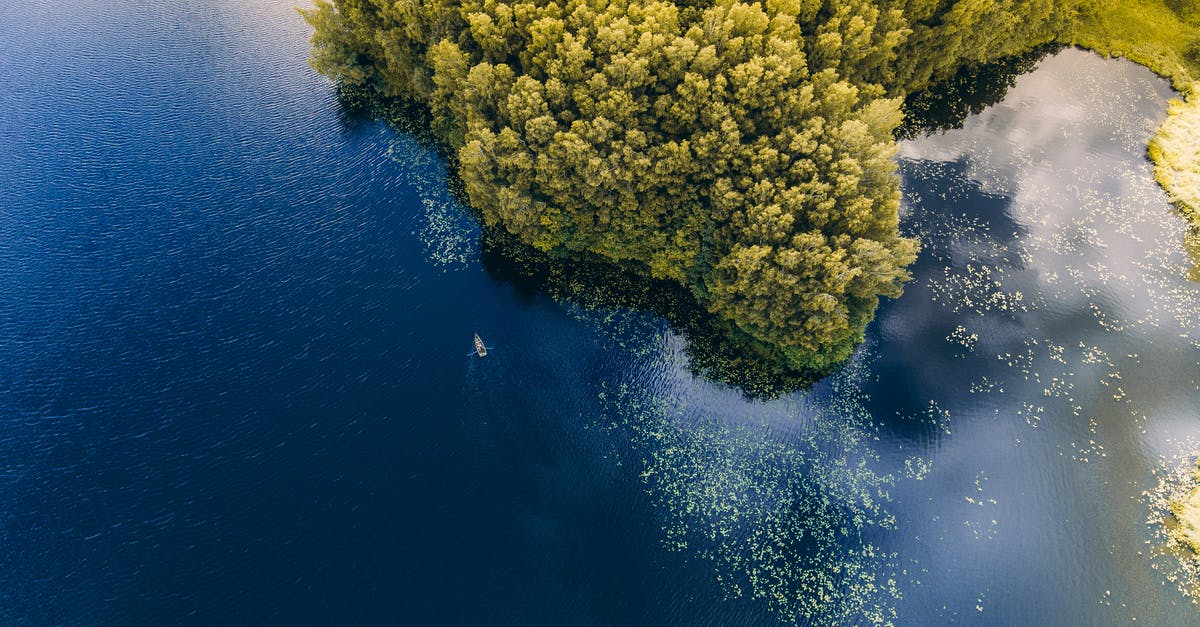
[{"x": 742, "y": 150}]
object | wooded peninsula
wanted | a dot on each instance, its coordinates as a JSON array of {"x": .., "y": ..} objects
[{"x": 742, "y": 150}]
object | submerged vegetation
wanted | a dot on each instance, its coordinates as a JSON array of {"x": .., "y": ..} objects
[
  {"x": 742, "y": 151},
  {"x": 793, "y": 520}
]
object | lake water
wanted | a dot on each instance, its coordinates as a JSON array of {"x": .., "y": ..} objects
[{"x": 234, "y": 336}]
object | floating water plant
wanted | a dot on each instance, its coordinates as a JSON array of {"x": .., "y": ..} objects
[{"x": 787, "y": 517}]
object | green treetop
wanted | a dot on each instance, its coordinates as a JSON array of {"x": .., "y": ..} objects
[{"x": 743, "y": 150}]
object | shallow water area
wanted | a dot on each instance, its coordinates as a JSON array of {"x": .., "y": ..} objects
[
  {"x": 1057, "y": 276},
  {"x": 236, "y": 342}
]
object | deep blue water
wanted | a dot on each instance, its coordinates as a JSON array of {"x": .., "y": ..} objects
[{"x": 235, "y": 382}]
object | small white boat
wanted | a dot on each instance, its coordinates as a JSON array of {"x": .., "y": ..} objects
[{"x": 480, "y": 349}]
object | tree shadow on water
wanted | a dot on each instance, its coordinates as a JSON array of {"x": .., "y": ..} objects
[
  {"x": 947, "y": 105},
  {"x": 359, "y": 105},
  {"x": 716, "y": 349}
]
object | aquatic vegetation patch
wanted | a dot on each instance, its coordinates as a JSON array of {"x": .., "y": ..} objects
[
  {"x": 980, "y": 289},
  {"x": 789, "y": 518},
  {"x": 448, "y": 233},
  {"x": 983, "y": 527},
  {"x": 964, "y": 338},
  {"x": 1174, "y": 521}
]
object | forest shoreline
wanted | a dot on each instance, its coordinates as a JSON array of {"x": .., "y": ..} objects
[{"x": 741, "y": 150}]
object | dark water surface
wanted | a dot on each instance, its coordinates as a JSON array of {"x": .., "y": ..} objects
[{"x": 234, "y": 382}]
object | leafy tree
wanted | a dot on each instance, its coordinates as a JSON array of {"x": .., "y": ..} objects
[{"x": 742, "y": 150}]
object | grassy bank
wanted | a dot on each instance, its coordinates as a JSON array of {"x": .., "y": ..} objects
[
  {"x": 1152, "y": 33},
  {"x": 1175, "y": 150}
]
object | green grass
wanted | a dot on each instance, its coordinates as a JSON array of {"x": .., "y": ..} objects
[
  {"x": 1175, "y": 150},
  {"x": 1146, "y": 32}
]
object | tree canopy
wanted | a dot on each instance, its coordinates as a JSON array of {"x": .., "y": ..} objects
[{"x": 742, "y": 150}]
